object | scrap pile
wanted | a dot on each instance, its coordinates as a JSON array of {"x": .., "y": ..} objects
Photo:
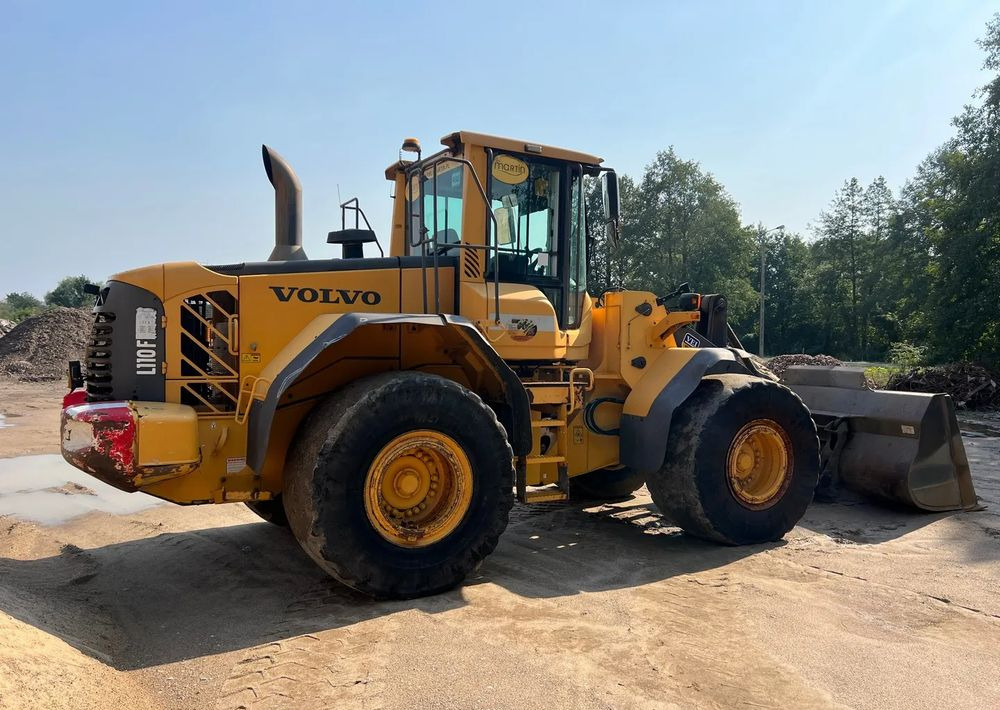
[
  {"x": 39, "y": 347},
  {"x": 780, "y": 363},
  {"x": 971, "y": 386}
]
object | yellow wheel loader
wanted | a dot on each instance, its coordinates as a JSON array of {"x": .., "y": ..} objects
[{"x": 390, "y": 409}]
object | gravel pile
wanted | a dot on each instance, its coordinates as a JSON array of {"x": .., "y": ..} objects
[
  {"x": 39, "y": 347},
  {"x": 779, "y": 363},
  {"x": 971, "y": 386}
]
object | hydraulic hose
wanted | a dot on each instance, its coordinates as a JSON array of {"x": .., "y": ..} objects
[{"x": 588, "y": 415}]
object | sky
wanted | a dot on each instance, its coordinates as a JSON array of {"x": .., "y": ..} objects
[{"x": 131, "y": 131}]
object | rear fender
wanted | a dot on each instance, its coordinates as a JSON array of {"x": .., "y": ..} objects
[
  {"x": 329, "y": 335},
  {"x": 650, "y": 407}
]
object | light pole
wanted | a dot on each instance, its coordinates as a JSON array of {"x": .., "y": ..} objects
[{"x": 762, "y": 238}]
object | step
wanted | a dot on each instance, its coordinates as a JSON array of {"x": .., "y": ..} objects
[
  {"x": 542, "y": 423},
  {"x": 545, "y": 496},
  {"x": 545, "y": 459}
]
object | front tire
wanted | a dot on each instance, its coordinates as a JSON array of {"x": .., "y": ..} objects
[
  {"x": 400, "y": 484},
  {"x": 742, "y": 461}
]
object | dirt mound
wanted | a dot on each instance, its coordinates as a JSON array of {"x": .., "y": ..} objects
[
  {"x": 38, "y": 348},
  {"x": 971, "y": 386},
  {"x": 779, "y": 363}
]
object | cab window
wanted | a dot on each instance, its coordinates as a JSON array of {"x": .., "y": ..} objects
[
  {"x": 525, "y": 204},
  {"x": 540, "y": 229},
  {"x": 440, "y": 201}
]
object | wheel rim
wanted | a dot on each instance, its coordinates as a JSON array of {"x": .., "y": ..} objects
[
  {"x": 759, "y": 464},
  {"x": 418, "y": 488}
]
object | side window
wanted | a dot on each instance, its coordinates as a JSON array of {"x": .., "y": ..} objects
[{"x": 440, "y": 202}]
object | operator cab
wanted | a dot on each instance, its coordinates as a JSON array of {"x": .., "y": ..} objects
[{"x": 517, "y": 217}]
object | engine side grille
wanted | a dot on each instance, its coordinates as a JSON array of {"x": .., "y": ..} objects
[{"x": 209, "y": 365}]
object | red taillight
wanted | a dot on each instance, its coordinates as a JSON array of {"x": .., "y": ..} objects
[
  {"x": 100, "y": 438},
  {"x": 77, "y": 396}
]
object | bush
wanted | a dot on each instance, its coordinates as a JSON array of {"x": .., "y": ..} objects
[
  {"x": 907, "y": 355},
  {"x": 880, "y": 374}
]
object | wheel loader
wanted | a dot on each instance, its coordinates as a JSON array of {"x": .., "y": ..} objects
[{"x": 390, "y": 409}]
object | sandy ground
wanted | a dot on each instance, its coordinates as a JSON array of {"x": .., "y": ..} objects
[{"x": 108, "y": 603}]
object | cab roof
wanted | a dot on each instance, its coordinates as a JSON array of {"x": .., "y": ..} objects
[
  {"x": 459, "y": 138},
  {"x": 453, "y": 140}
]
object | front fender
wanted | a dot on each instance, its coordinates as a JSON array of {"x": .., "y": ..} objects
[{"x": 650, "y": 407}]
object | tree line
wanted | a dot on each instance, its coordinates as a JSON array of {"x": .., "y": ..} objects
[
  {"x": 880, "y": 276},
  {"x": 68, "y": 293}
]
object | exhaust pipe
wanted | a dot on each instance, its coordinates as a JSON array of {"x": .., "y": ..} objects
[{"x": 287, "y": 208}]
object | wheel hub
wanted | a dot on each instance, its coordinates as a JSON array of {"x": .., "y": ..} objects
[
  {"x": 418, "y": 488},
  {"x": 759, "y": 464}
]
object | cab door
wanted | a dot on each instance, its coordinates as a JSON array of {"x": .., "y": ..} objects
[{"x": 540, "y": 227}]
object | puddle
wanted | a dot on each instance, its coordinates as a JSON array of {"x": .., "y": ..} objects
[
  {"x": 981, "y": 425},
  {"x": 47, "y": 490}
]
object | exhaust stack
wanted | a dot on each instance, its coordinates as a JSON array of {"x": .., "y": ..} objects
[{"x": 287, "y": 208}]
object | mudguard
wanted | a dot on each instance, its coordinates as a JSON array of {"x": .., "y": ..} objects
[
  {"x": 650, "y": 407},
  {"x": 515, "y": 414}
]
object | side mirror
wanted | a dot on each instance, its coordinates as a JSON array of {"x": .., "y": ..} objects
[{"x": 612, "y": 205}]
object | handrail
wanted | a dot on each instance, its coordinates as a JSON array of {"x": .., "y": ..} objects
[
  {"x": 353, "y": 204},
  {"x": 420, "y": 168},
  {"x": 253, "y": 381}
]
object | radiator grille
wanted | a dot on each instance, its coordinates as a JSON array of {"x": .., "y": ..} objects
[{"x": 98, "y": 361}]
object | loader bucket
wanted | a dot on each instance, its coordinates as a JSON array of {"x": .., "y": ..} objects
[{"x": 899, "y": 446}]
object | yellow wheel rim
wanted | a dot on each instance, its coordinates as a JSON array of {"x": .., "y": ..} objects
[
  {"x": 418, "y": 488},
  {"x": 759, "y": 464}
]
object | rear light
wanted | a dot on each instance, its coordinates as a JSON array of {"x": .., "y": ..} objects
[
  {"x": 77, "y": 396},
  {"x": 100, "y": 438}
]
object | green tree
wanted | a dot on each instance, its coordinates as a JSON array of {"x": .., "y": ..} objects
[
  {"x": 69, "y": 293},
  {"x": 789, "y": 303},
  {"x": 956, "y": 195},
  {"x": 18, "y": 306},
  {"x": 841, "y": 229},
  {"x": 877, "y": 322},
  {"x": 689, "y": 230}
]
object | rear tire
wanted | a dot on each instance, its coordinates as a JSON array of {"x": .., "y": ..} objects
[
  {"x": 728, "y": 422},
  {"x": 338, "y": 462},
  {"x": 606, "y": 484}
]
